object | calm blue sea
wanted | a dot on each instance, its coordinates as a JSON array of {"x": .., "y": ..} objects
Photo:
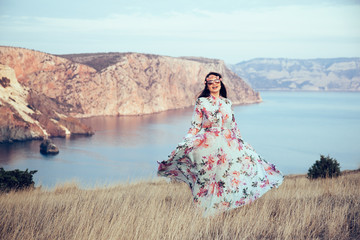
[{"x": 289, "y": 129}]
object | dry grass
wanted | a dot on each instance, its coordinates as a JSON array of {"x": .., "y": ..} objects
[{"x": 299, "y": 209}]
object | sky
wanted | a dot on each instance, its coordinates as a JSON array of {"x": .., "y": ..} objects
[{"x": 230, "y": 30}]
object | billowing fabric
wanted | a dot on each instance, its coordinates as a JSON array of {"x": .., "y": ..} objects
[{"x": 222, "y": 170}]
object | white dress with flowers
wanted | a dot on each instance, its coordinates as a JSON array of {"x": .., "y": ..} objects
[{"x": 222, "y": 170}]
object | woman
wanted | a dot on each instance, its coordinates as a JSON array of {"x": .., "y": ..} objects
[{"x": 222, "y": 170}]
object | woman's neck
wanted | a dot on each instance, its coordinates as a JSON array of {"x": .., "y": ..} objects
[{"x": 215, "y": 95}]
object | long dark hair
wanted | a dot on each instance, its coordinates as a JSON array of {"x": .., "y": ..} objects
[{"x": 206, "y": 93}]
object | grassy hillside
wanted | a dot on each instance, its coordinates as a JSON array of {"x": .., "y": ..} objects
[{"x": 299, "y": 209}]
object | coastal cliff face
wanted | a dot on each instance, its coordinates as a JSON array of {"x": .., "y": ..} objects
[
  {"x": 87, "y": 85},
  {"x": 336, "y": 74},
  {"x": 55, "y": 77},
  {"x": 26, "y": 114}
]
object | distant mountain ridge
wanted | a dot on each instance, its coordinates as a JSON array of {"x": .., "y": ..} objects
[{"x": 332, "y": 74}]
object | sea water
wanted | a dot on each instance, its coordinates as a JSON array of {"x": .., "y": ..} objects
[{"x": 289, "y": 129}]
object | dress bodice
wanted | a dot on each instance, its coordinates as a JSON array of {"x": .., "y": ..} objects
[
  {"x": 213, "y": 114},
  {"x": 216, "y": 113}
]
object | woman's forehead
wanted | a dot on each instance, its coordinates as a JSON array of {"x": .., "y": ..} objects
[{"x": 212, "y": 77}]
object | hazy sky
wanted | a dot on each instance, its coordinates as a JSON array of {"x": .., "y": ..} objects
[{"x": 234, "y": 30}]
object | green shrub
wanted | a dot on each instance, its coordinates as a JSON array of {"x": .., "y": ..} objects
[
  {"x": 16, "y": 179},
  {"x": 325, "y": 167}
]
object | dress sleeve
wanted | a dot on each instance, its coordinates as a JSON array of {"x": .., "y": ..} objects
[
  {"x": 196, "y": 121},
  {"x": 234, "y": 127}
]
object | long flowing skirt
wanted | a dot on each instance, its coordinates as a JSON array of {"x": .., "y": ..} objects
[{"x": 223, "y": 172}]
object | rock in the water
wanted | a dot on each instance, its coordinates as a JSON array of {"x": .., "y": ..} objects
[{"x": 47, "y": 147}]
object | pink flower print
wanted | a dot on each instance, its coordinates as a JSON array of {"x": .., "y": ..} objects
[
  {"x": 184, "y": 160},
  {"x": 173, "y": 153},
  {"x": 215, "y": 131},
  {"x": 272, "y": 169},
  {"x": 240, "y": 146},
  {"x": 240, "y": 202},
  {"x": 193, "y": 176},
  {"x": 224, "y": 118},
  {"x": 193, "y": 131},
  {"x": 235, "y": 182},
  {"x": 207, "y": 124},
  {"x": 174, "y": 172},
  {"x": 163, "y": 165},
  {"x": 202, "y": 192},
  {"x": 269, "y": 170},
  {"x": 226, "y": 204},
  {"x": 201, "y": 141},
  {"x": 264, "y": 183},
  {"x": 222, "y": 159},
  {"x": 220, "y": 190},
  {"x": 213, "y": 102},
  {"x": 227, "y": 134},
  {"x": 199, "y": 112},
  {"x": 188, "y": 150},
  {"x": 212, "y": 176},
  {"x": 210, "y": 162},
  {"x": 212, "y": 187},
  {"x": 236, "y": 173},
  {"x": 204, "y": 111}
]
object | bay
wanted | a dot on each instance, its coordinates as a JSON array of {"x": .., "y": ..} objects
[{"x": 289, "y": 129}]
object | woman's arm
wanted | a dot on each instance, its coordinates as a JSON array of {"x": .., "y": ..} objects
[
  {"x": 234, "y": 127},
  {"x": 196, "y": 122}
]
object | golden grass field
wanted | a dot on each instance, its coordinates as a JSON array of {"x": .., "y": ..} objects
[{"x": 155, "y": 209}]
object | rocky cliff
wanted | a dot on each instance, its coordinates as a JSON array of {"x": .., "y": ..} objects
[
  {"x": 337, "y": 74},
  {"x": 87, "y": 85},
  {"x": 26, "y": 114}
]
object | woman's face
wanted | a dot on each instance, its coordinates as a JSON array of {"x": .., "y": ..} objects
[{"x": 213, "y": 84}]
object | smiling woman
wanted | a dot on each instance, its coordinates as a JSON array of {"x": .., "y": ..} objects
[
  {"x": 213, "y": 86},
  {"x": 222, "y": 170}
]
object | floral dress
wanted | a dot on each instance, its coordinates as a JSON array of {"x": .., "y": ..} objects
[{"x": 222, "y": 170}]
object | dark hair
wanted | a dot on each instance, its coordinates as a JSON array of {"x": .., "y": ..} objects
[{"x": 206, "y": 93}]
